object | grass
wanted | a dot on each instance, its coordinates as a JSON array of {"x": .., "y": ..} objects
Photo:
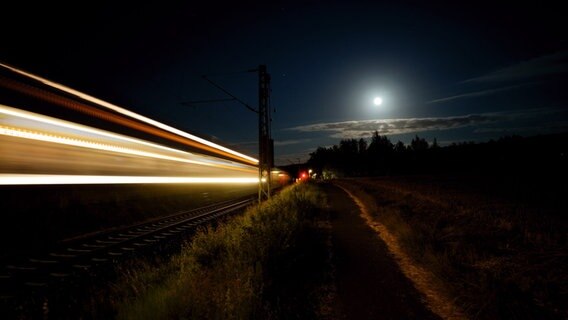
[
  {"x": 500, "y": 257},
  {"x": 265, "y": 264}
]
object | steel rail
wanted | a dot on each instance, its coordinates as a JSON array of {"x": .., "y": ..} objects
[{"x": 77, "y": 257}]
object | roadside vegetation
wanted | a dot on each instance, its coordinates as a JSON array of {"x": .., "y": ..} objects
[
  {"x": 499, "y": 257},
  {"x": 269, "y": 263}
]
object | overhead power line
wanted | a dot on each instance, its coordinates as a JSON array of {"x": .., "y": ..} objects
[
  {"x": 230, "y": 94},
  {"x": 191, "y": 103},
  {"x": 265, "y": 142}
]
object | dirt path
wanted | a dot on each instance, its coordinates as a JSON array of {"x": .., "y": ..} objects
[{"x": 369, "y": 283}]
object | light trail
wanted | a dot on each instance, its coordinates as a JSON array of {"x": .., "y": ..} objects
[
  {"x": 65, "y": 132},
  {"x": 87, "y": 144},
  {"x": 109, "y": 116},
  {"x": 131, "y": 114},
  {"x": 42, "y": 150},
  {"x": 45, "y": 179}
]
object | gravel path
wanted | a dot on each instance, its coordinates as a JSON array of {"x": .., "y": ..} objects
[{"x": 370, "y": 284}]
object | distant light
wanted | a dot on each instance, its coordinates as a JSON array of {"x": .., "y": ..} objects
[
  {"x": 46, "y": 179},
  {"x": 378, "y": 101}
]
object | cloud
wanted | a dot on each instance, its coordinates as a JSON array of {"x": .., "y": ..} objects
[
  {"x": 550, "y": 64},
  {"x": 289, "y": 142},
  {"x": 544, "y": 65},
  {"x": 365, "y": 128},
  {"x": 475, "y": 94},
  {"x": 549, "y": 127}
]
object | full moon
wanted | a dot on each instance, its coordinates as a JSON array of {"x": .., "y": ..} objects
[{"x": 378, "y": 101}]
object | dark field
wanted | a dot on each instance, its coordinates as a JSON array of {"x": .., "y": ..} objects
[{"x": 498, "y": 244}]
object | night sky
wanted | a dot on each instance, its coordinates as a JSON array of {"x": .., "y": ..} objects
[{"x": 451, "y": 71}]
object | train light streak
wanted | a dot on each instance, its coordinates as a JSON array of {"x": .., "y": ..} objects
[
  {"x": 110, "y": 117},
  {"x": 28, "y": 125},
  {"x": 44, "y": 179},
  {"x": 86, "y": 144},
  {"x": 133, "y": 115},
  {"x": 38, "y": 149}
]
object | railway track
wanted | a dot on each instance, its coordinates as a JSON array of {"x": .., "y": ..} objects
[{"x": 37, "y": 276}]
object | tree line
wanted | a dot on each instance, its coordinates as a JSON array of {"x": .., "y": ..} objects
[{"x": 380, "y": 156}]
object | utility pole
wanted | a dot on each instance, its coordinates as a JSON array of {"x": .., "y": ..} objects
[{"x": 265, "y": 142}]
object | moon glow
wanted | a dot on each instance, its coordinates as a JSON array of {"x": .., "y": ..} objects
[{"x": 378, "y": 101}]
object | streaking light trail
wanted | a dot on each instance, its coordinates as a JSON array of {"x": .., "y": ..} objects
[
  {"x": 68, "y": 133},
  {"x": 40, "y": 150},
  {"x": 44, "y": 179},
  {"x": 131, "y": 114}
]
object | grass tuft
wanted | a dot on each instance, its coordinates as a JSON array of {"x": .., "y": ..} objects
[{"x": 251, "y": 266}]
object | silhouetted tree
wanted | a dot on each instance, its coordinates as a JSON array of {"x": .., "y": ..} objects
[
  {"x": 418, "y": 144},
  {"x": 399, "y": 147},
  {"x": 348, "y": 156},
  {"x": 362, "y": 146},
  {"x": 380, "y": 153},
  {"x": 380, "y": 144},
  {"x": 348, "y": 146},
  {"x": 511, "y": 154},
  {"x": 435, "y": 144}
]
